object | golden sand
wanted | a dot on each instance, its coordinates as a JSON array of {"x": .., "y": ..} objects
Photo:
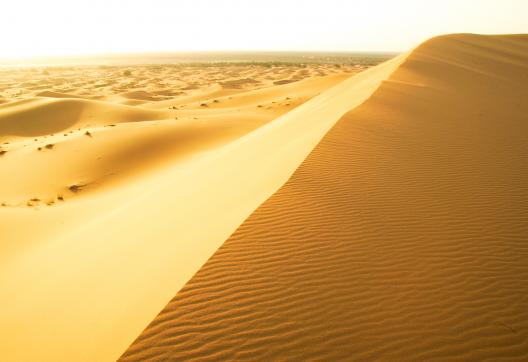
[
  {"x": 106, "y": 201},
  {"x": 379, "y": 215},
  {"x": 401, "y": 237}
]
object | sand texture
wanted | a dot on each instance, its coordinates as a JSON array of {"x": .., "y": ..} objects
[
  {"x": 109, "y": 206},
  {"x": 291, "y": 212},
  {"x": 403, "y": 236}
]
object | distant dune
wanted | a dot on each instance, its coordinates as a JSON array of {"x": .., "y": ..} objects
[
  {"x": 291, "y": 212},
  {"x": 46, "y": 116},
  {"x": 402, "y": 236}
]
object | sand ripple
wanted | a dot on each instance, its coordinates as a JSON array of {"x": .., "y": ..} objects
[{"x": 403, "y": 236}]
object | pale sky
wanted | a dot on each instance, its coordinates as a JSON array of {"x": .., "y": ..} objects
[{"x": 77, "y": 27}]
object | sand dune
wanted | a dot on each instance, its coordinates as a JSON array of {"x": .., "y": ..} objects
[
  {"x": 141, "y": 95},
  {"x": 45, "y": 116},
  {"x": 100, "y": 143},
  {"x": 106, "y": 188},
  {"x": 402, "y": 236},
  {"x": 52, "y": 94},
  {"x": 384, "y": 211}
]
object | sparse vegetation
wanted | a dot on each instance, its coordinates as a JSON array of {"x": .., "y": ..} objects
[
  {"x": 87, "y": 133},
  {"x": 75, "y": 188},
  {"x": 2, "y": 152},
  {"x": 33, "y": 202},
  {"x": 49, "y": 146},
  {"x": 127, "y": 73}
]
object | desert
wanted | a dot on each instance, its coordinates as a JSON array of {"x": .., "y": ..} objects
[{"x": 267, "y": 205}]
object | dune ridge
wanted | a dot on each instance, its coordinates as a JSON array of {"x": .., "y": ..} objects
[
  {"x": 105, "y": 225},
  {"x": 402, "y": 236}
]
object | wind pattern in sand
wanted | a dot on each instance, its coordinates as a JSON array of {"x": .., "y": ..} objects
[{"x": 402, "y": 236}]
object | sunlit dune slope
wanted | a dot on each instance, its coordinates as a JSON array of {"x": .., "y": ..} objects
[
  {"x": 115, "y": 206},
  {"x": 96, "y": 158},
  {"x": 402, "y": 236}
]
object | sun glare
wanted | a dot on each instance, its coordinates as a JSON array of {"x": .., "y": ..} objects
[{"x": 66, "y": 27}]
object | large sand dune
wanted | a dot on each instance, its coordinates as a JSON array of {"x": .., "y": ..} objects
[
  {"x": 402, "y": 236},
  {"x": 104, "y": 202}
]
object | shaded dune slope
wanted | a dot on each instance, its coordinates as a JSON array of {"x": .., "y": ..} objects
[
  {"x": 44, "y": 116},
  {"x": 402, "y": 236}
]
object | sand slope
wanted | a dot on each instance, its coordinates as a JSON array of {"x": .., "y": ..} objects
[
  {"x": 45, "y": 116},
  {"x": 402, "y": 236},
  {"x": 127, "y": 202}
]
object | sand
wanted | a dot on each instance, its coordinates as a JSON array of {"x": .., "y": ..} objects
[
  {"x": 402, "y": 236},
  {"x": 291, "y": 213},
  {"x": 101, "y": 198}
]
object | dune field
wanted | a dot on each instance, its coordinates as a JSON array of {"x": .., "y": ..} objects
[{"x": 313, "y": 212}]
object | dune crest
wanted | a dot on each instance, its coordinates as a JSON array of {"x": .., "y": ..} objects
[
  {"x": 294, "y": 212},
  {"x": 92, "y": 244},
  {"x": 402, "y": 236}
]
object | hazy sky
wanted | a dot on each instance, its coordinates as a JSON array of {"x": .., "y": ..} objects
[{"x": 71, "y": 27}]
